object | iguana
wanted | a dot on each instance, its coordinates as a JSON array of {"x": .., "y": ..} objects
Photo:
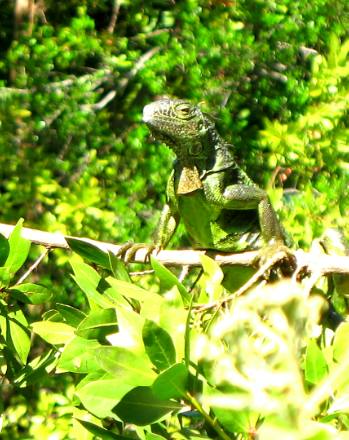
[{"x": 221, "y": 207}]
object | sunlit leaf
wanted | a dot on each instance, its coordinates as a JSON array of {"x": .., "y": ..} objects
[
  {"x": 158, "y": 345},
  {"x": 340, "y": 343},
  {"x": 98, "y": 324},
  {"x": 171, "y": 383},
  {"x": 89, "y": 251},
  {"x": 168, "y": 280},
  {"x": 100, "y": 432},
  {"x": 131, "y": 368},
  {"x": 141, "y": 407},
  {"x": 19, "y": 249},
  {"x": 31, "y": 293},
  {"x": 315, "y": 363},
  {"x": 100, "y": 396},
  {"x": 88, "y": 279},
  {"x": 54, "y": 332},
  {"x": 71, "y": 315},
  {"x": 14, "y": 329},
  {"x": 79, "y": 356}
]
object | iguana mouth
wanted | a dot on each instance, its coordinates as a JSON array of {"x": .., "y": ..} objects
[{"x": 162, "y": 137}]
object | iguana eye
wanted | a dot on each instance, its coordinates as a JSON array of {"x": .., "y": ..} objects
[{"x": 184, "y": 111}]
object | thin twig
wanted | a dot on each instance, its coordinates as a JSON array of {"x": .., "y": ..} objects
[
  {"x": 151, "y": 34},
  {"x": 100, "y": 104},
  {"x": 33, "y": 266},
  {"x": 184, "y": 273},
  {"x": 250, "y": 282},
  {"x": 141, "y": 273}
]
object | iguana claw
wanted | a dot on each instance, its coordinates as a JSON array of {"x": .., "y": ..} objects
[
  {"x": 128, "y": 251},
  {"x": 277, "y": 254}
]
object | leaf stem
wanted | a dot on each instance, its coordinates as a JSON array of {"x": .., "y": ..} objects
[{"x": 212, "y": 422}]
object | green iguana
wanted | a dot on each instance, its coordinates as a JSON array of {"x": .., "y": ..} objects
[{"x": 220, "y": 206}]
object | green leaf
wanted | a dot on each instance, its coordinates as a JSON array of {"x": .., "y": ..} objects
[
  {"x": 52, "y": 315},
  {"x": 14, "y": 329},
  {"x": 34, "y": 371},
  {"x": 148, "y": 302},
  {"x": 88, "y": 279},
  {"x": 340, "y": 342},
  {"x": 19, "y": 249},
  {"x": 31, "y": 293},
  {"x": 117, "y": 298},
  {"x": 130, "y": 290},
  {"x": 171, "y": 383},
  {"x": 92, "y": 377},
  {"x": 152, "y": 436},
  {"x": 158, "y": 345},
  {"x": 130, "y": 325},
  {"x": 233, "y": 420},
  {"x": 4, "y": 249},
  {"x": 212, "y": 278},
  {"x": 118, "y": 268},
  {"x": 131, "y": 368},
  {"x": 315, "y": 363},
  {"x": 141, "y": 407},
  {"x": 101, "y": 396},
  {"x": 71, "y": 315},
  {"x": 89, "y": 251},
  {"x": 168, "y": 280},
  {"x": 173, "y": 319},
  {"x": 100, "y": 432},
  {"x": 98, "y": 324},
  {"x": 5, "y": 277},
  {"x": 54, "y": 332},
  {"x": 79, "y": 356}
]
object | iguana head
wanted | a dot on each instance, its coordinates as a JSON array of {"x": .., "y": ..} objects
[{"x": 180, "y": 125}]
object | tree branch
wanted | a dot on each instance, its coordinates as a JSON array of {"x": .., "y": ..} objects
[
  {"x": 114, "y": 16},
  {"x": 142, "y": 60},
  {"x": 313, "y": 263}
]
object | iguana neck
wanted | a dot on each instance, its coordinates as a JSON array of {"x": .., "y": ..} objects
[{"x": 212, "y": 153}]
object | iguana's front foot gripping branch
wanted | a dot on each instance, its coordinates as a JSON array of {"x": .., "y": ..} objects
[{"x": 128, "y": 251}]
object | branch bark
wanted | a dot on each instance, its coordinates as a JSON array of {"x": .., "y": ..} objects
[
  {"x": 114, "y": 16},
  {"x": 321, "y": 264}
]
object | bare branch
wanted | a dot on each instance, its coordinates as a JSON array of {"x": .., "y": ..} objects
[
  {"x": 137, "y": 67},
  {"x": 314, "y": 263},
  {"x": 114, "y": 16},
  {"x": 170, "y": 258},
  {"x": 96, "y": 79},
  {"x": 102, "y": 103}
]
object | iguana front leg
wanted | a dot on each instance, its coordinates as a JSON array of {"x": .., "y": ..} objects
[
  {"x": 169, "y": 216},
  {"x": 167, "y": 226},
  {"x": 243, "y": 197}
]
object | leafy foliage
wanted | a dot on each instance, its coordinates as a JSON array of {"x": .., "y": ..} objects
[
  {"x": 262, "y": 365},
  {"x": 80, "y": 353}
]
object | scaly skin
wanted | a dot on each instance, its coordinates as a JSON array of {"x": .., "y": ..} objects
[{"x": 220, "y": 206}]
